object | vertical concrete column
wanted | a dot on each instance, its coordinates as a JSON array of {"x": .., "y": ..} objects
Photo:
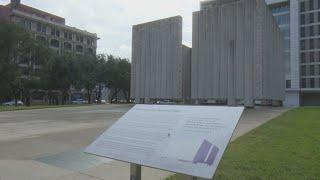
[
  {"x": 135, "y": 172},
  {"x": 231, "y": 83}
]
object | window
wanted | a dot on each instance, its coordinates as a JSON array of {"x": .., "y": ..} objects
[
  {"x": 302, "y": 6},
  {"x": 303, "y": 19},
  {"x": 312, "y": 70},
  {"x": 303, "y": 70},
  {"x": 58, "y": 33},
  {"x": 303, "y": 57},
  {"x": 44, "y": 29},
  {"x": 311, "y": 44},
  {"x": 311, "y": 31},
  {"x": 319, "y": 70},
  {"x": 53, "y": 31},
  {"x": 311, "y": 5},
  {"x": 65, "y": 35},
  {"x": 311, "y": 18},
  {"x": 311, "y": 59},
  {"x": 318, "y": 43},
  {"x": 303, "y": 44},
  {"x": 90, "y": 51},
  {"x": 303, "y": 32},
  {"x": 303, "y": 83},
  {"x": 81, "y": 39},
  {"x": 288, "y": 83},
  {"x": 39, "y": 27},
  {"x": 55, "y": 43},
  {"x": 79, "y": 48},
  {"x": 27, "y": 24},
  {"x": 67, "y": 46},
  {"x": 312, "y": 84},
  {"x": 70, "y": 36},
  {"x": 318, "y": 16}
]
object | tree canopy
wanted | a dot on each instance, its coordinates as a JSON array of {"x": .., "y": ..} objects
[{"x": 27, "y": 65}]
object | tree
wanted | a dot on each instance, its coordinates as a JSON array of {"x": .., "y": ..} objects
[
  {"x": 15, "y": 44},
  {"x": 58, "y": 74},
  {"x": 87, "y": 74}
]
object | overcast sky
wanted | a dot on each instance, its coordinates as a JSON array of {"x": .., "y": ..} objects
[{"x": 112, "y": 20}]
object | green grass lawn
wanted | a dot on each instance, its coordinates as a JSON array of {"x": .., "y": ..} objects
[
  {"x": 17, "y": 108},
  {"x": 287, "y": 147}
]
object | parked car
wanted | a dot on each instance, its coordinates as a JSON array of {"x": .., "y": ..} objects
[
  {"x": 12, "y": 103},
  {"x": 79, "y": 101},
  {"x": 165, "y": 102}
]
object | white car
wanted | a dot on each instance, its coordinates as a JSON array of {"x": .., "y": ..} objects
[
  {"x": 12, "y": 103},
  {"x": 79, "y": 101}
]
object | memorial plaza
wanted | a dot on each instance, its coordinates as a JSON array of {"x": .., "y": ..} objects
[{"x": 47, "y": 144}]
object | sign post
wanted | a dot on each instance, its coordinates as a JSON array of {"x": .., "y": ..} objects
[
  {"x": 188, "y": 140},
  {"x": 135, "y": 172}
]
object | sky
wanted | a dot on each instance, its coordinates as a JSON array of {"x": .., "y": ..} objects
[{"x": 112, "y": 20}]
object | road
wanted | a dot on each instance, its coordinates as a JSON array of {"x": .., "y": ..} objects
[{"x": 47, "y": 144}]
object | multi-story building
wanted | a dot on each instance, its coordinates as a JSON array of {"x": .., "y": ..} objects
[
  {"x": 299, "y": 21},
  {"x": 51, "y": 29}
]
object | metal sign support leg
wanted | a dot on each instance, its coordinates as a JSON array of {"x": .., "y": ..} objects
[{"x": 135, "y": 172}]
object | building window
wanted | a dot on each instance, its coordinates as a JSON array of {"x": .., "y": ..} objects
[
  {"x": 302, "y": 6},
  {"x": 318, "y": 43},
  {"x": 55, "y": 43},
  {"x": 311, "y": 5},
  {"x": 27, "y": 24},
  {"x": 303, "y": 44},
  {"x": 65, "y": 35},
  {"x": 90, "y": 51},
  {"x": 67, "y": 46},
  {"x": 39, "y": 27},
  {"x": 303, "y": 57},
  {"x": 303, "y": 83},
  {"x": 311, "y": 31},
  {"x": 79, "y": 48},
  {"x": 311, "y": 59},
  {"x": 311, "y": 18},
  {"x": 70, "y": 36},
  {"x": 303, "y": 70},
  {"x": 53, "y": 31},
  {"x": 288, "y": 84},
  {"x": 312, "y": 73},
  {"x": 311, "y": 43},
  {"x": 58, "y": 33},
  {"x": 303, "y": 32},
  {"x": 44, "y": 29},
  {"x": 312, "y": 84}
]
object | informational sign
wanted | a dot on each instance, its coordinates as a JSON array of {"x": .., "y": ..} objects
[{"x": 183, "y": 139}]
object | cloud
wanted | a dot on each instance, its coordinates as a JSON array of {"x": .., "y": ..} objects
[{"x": 112, "y": 20}]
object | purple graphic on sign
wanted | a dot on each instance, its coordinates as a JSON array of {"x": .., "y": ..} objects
[
  {"x": 212, "y": 155},
  {"x": 202, "y": 152}
]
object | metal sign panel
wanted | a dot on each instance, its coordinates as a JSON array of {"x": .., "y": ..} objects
[{"x": 183, "y": 139}]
